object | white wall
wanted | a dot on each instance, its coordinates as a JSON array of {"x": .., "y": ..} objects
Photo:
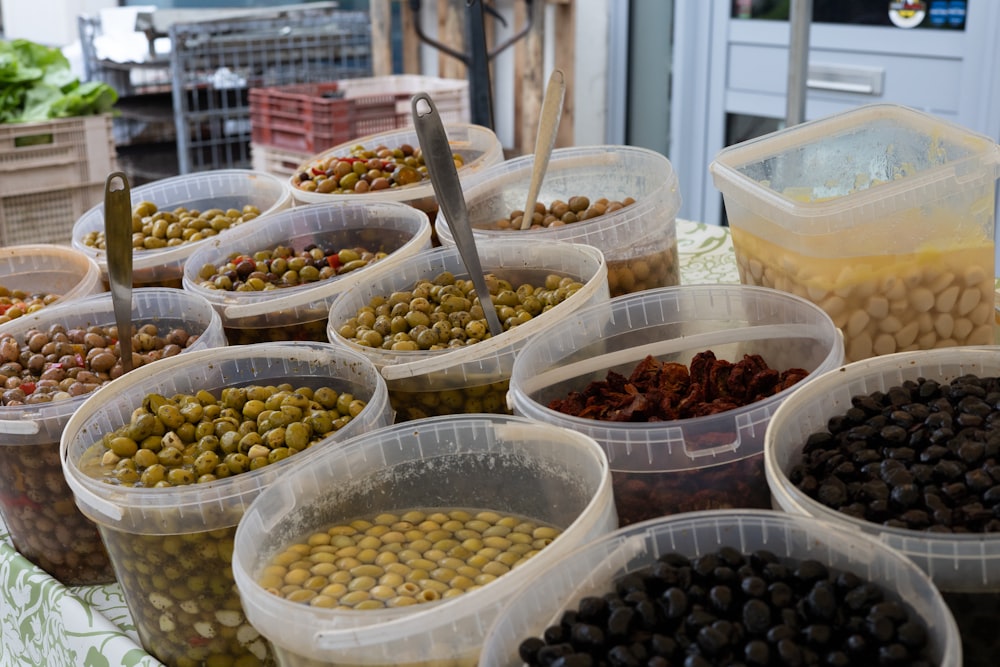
[{"x": 52, "y": 23}]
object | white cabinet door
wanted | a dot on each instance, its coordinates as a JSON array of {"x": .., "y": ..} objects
[{"x": 740, "y": 66}]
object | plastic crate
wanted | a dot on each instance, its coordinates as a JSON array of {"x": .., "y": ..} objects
[
  {"x": 214, "y": 65},
  {"x": 46, "y": 216},
  {"x": 276, "y": 161},
  {"x": 314, "y": 117},
  {"x": 451, "y": 96},
  {"x": 61, "y": 153}
]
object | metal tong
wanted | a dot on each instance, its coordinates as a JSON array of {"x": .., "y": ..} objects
[
  {"x": 118, "y": 236},
  {"x": 448, "y": 190}
]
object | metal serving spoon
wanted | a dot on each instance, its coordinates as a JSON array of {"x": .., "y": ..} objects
[
  {"x": 548, "y": 123},
  {"x": 448, "y": 189},
  {"x": 118, "y": 236}
]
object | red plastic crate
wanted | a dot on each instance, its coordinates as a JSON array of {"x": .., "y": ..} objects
[{"x": 306, "y": 118}]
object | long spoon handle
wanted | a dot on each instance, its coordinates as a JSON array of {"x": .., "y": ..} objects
[
  {"x": 448, "y": 190},
  {"x": 548, "y": 123},
  {"x": 118, "y": 233}
]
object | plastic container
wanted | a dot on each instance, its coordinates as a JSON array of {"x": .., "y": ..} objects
[
  {"x": 37, "y": 504},
  {"x": 593, "y": 569},
  {"x": 224, "y": 189},
  {"x": 881, "y": 215},
  {"x": 710, "y": 462},
  {"x": 171, "y": 548},
  {"x": 473, "y": 378},
  {"x": 478, "y": 146},
  {"x": 301, "y": 312},
  {"x": 966, "y": 567},
  {"x": 52, "y": 273},
  {"x": 505, "y": 464},
  {"x": 639, "y": 241}
]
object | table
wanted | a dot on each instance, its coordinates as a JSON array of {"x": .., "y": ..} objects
[{"x": 44, "y": 623}]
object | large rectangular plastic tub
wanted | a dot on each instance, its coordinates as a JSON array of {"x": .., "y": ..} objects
[{"x": 882, "y": 215}]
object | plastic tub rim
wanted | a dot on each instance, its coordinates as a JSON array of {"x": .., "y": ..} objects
[
  {"x": 792, "y": 501},
  {"x": 571, "y": 157},
  {"x": 727, "y": 176},
  {"x": 695, "y": 519},
  {"x": 405, "y": 193},
  {"x": 173, "y": 498},
  {"x": 440, "y": 612},
  {"x": 260, "y": 303},
  {"x": 150, "y": 259},
  {"x": 832, "y": 360},
  {"x": 89, "y": 281},
  {"x": 420, "y": 362},
  {"x": 17, "y": 419}
]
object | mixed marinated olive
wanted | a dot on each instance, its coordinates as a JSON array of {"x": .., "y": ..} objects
[
  {"x": 15, "y": 303},
  {"x": 365, "y": 170},
  {"x": 183, "y": 598},
  {"x": 282, "y": 266},
  {"x": 725, "y": 607},
  {"x": 558, "y": 213},
  {"x": 632, "y": 271},
  {"x": 199, "y": 438},
  {"x": 412, "y": 404},
  {"x": 61, "y": 362},
  {"x": 45, "y": 524},
  {"x": 402, "y": 559},
  {"x": 153, "y": 229},
  {"x": 445, "y": 312}
]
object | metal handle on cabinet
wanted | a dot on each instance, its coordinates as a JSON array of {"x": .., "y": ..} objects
[{"x": 846, "y": 79}]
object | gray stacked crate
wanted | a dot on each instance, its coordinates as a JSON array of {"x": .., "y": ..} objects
[
  {"x": 214, "y": 64},
  {"x": 143, "y": 124}
]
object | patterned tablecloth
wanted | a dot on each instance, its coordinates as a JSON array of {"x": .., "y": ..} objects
[{"x": 44, "y": 623}]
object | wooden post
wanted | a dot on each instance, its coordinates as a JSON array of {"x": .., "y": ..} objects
[
  {"x": 565, "y": 57},
  {"x": 451, "y": 31},
  {"x": 531, "y": 80},
  {"x": 411, "y": 43},
  {"x": 380, "y": 14}
]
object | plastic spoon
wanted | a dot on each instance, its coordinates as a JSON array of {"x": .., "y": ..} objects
[
  {"x": 118, "y": 234},
  {"x": 448, "y": 190},
  {"x": 548, "y": 123}
]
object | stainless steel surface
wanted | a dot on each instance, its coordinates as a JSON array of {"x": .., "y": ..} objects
[
  {"x": 799, "y": 18},
  {"x": 846, "y": 78},
  {"x": 118, "y": 235},
  {"x": 548, "y": 123},
  {"x": 438, "y": 156}
]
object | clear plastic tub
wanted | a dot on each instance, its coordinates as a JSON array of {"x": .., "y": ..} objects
[
  {"x": 479, "y": 147},
  {"x": 966, "y": 567},
  {"x": 300, "y": 312},
  {"x": 222, "y": 189},
  {"x": 593, "y": 569},
  {"x": 171, "y": 548},
  {"x": 47, "y": 274},
  {"x": 473, "y": 378},
  {"x": 639, "y": 241},
  {"x": 37, "y": 505},
  {"x": 882, "y": 215},
  {"x": 709, "y": 462},
  {"x": 505, "y": 464}
]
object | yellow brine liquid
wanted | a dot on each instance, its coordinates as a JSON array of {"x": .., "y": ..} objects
[{"x": 926, "y": 299}]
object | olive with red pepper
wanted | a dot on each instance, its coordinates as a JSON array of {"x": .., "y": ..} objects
[{"x": 284, "y": 267}]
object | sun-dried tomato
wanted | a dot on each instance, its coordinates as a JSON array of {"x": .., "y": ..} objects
[{"x": 666, "y": 390}]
